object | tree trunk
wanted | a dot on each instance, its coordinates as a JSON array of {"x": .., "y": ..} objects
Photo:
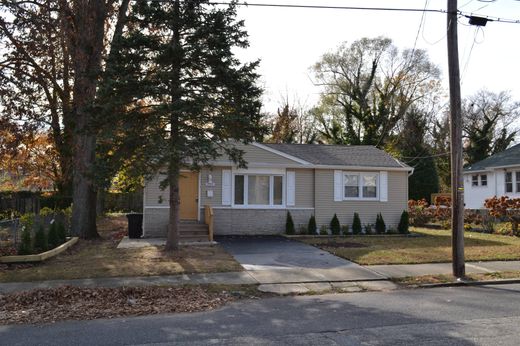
[
  {"x": 172, "y": 240},
  {"x": 85, "y": 34}
]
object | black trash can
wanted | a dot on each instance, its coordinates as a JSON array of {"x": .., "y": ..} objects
[{"x": 135, "y": 225}]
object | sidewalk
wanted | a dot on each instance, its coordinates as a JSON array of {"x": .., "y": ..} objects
[{"x": 274, "y": 281}]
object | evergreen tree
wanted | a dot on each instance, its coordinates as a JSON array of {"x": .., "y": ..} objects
[
  {"x": 335, "y": 227},
  {"x": 380, "y": 224},
  {"x": 415, "y": 152},
  {"x": 289, "y": 224},
  {"x": 356, "y": 224},
  {"x": 40, "y": 240},
  {"x": 174, "y": 72},
  {"x": 25, "y": 247},
  {"x": 312, "y": 227},
  {"x": 404, "y": 223},
  {"x": 52, "y": 236}
]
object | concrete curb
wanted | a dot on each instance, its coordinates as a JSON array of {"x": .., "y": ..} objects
[{"x": 465, "y": 283}]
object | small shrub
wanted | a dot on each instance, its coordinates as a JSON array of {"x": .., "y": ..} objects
[
  {"x": 335, "y": 227},
  {"x": 369, "y": 229},
  {"x": 504, "y": 228},
  {"x": 345, "y": 230},
  {"x": 356, "y": 224},
  {"x": 27, "y": 221},
  {"x": 302, "y": 229},
  {"x": 52, "y": 236},
  {"x": 488, "y": 224},
  {"x": 289, "y": 224},
  {"x": 324, "y": 230},
  {"x": 404, "y": 223},
  {"x": 46, "y": 211},
  {"x": 446, "y": 224},
  {"x": 62, "y": 233},
  {"x": 467, "y": 227},
  {"x": 392, "y": 231},
  {"x": 40, "y": 240},
  {"x": 312, "y": 228},
  {"x": 25, "y": 247},
  {"x": 380, "y": 224}
]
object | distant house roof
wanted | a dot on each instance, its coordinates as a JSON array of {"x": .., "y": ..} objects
[
  {"x": 508, "y": 157},
  {"x": 339, "y": 155}
]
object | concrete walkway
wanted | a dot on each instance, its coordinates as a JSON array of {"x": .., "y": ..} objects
[
  {"x": 404, "y": 270},
  {"x": 347, "y": 284},
  {"x": 281, "y": 260}
]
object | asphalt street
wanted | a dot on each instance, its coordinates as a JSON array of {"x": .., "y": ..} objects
[{"x": 485, "y": 315}]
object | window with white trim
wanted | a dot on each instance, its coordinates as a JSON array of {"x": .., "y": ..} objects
[
  {"x": 509, "y": 182},
  {"x": 360, "y": 185},
  {"x": 483, "y": 180},
  {"x": 518, "y": 182},
  {"x": 474, "y": 180},
  {"x": 258, "y": 190}
]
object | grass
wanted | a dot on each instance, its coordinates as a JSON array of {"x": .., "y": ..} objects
[
  {"x": 437, "y": 279},
  {"x": 429, "y": 246},
  {"x": 101, "y": 258}
]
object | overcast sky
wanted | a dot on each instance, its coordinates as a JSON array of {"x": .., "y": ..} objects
[{"x": 288, "y": 41}]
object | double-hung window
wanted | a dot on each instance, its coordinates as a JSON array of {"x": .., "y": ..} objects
[
  {"x": 360, "y": 185},
  {"x": 483, "y": 180},
  {"x": 258, "y": 190},
  {"x": 517, "y": 182},
  {"x": 509, "y": 182},
  {"x": 474, "y": 180}
]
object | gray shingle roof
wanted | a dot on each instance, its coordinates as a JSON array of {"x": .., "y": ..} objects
[
  {"x": 339, "y": 155},
  {"x": 507, "y": 157}
]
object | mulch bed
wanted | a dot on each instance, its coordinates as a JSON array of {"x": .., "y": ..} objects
[{"x": 74, "y": 303}]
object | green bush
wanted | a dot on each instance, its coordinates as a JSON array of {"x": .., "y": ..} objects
[
  {"x": 27, "y": 221},
  {"x": 392, "y": 231},
  {"x": 344, "y": 230},
  {"x": 46, "y": 211},
  {"x": 52, "y": 236},
  {"x": 303, "y": 229},
  {"x": 312, "y": 227},
  {"x": 25, "y": 247},
  {"x": 40, "y": 240},
  {"x": 323, "y": 230},
  {"x": 404, "y": 223},
  {"x": 62, "y": 233},
  {"x": 380, "y": 224},
  {"x": 289, "y": 224},
  {"x": 369, "y": 229},
  {"x": 335, "y": 227},
  {"x": 356, "y": 224}
]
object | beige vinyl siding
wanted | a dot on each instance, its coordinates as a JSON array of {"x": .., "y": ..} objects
[
  {"x": 367, "y": 210},
  {"x": 152, "y": 192},
  {"x": 304, "y": 188},
  {"x": 259, "y": 156},
  {"x": 216, "y": 173}
]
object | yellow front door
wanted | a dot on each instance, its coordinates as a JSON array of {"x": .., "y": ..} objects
[{"x": 189, "y": 194}]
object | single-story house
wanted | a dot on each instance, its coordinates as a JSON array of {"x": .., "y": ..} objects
[
  {"x": 497, "y": 175},
  {"x": 305, "y": 179}
]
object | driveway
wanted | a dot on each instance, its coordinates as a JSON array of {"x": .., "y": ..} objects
[{"x": 281, "y": 260}]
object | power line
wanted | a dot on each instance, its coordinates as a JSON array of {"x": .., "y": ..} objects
[{"x": 392, "y": 9}]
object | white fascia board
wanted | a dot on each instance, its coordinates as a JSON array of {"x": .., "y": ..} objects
[
  {"x": 281, "y": 153},
  {"x": 503, "y": 167},
  {"x": 477, "y": 171},
  {"x": 363, "y": 168}
]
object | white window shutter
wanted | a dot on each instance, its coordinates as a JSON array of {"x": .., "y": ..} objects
[
  {"x": 291, "y": 189},
  {"x": 338, "y": 186},
  {"x": 383, "y": 186},
  {"x": 226, "y": 187}
]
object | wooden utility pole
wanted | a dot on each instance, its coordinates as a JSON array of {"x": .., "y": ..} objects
[{"x": 457, "y": 183}]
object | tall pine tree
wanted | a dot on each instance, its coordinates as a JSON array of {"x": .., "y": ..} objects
[
  {"x": 415, "y": 152},
  {"x": 176, "y": 72}
]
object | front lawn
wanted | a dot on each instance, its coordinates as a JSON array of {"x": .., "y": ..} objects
[
  {"x": 100, "y": 258},
  {"x": 429, "y": 247}
]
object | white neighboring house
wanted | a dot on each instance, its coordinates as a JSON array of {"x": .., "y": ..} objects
[{"x": 498, "y": 175}]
